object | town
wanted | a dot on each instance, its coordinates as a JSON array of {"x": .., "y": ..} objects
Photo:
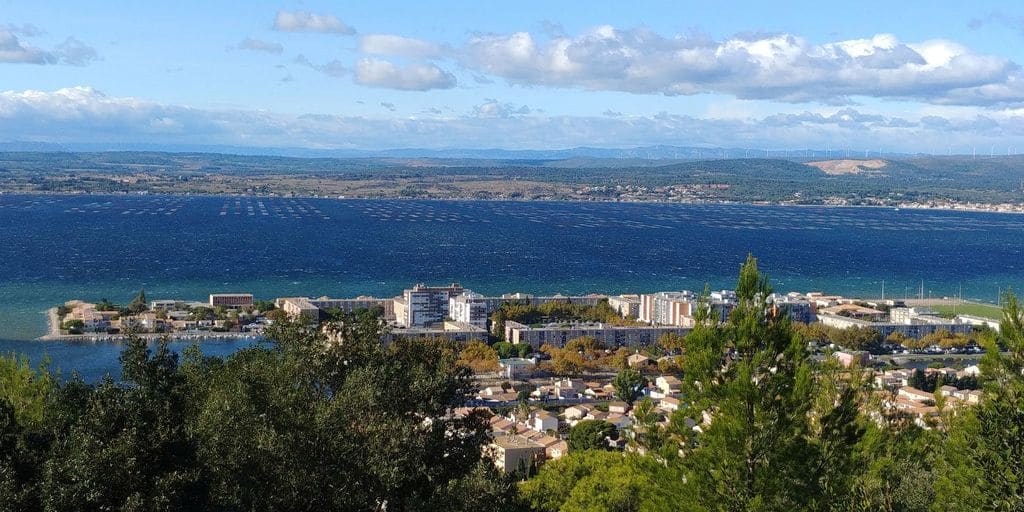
[
  {"x": 454, "y": 312},
  {"x": 545, "y": 364}
]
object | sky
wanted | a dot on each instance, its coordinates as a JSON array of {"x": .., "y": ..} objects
[{"x": 909, "y": 76}]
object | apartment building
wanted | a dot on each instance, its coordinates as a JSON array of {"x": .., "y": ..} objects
[
  {"x": 626, "y": 305},
  {"x": 423, "y": 305},
  {"x": 231, "y": 300},
  {"x": 311, "y": 308},
  {"x": 470, "y": 308},
  {"x": 558, "y": 335},
  {"x": 667, "y": 308}
]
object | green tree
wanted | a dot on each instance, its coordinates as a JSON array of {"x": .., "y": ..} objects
[
  {"x": 837, "y": 429},
  {"x": 138, "y": 304},
  {"x": 74, "y": 326},
  {"x": 606, "y": 481},
  {"x": 591, "y": 435},
  {"x": 984, "y": 454},
  {"x": 263, "y": 306},
  {"x": 648, "y": 434},
  {"x": 753, "y": 378},
  {"x": 479, "y": 357},
  {"x": 629, "y": 385},
  {"x": 672, "y": 342},
  {"x": 294, "y": 424},
  {"x": 128, "y": 449}
]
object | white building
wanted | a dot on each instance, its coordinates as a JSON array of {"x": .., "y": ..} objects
[
  {"x": 470, "y": 308},
  {"x": 917, "y": 328},
  {"x": 423, "y": 305},
  {"x": 667, "y": 308}
]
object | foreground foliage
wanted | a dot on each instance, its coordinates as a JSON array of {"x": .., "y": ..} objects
[{"x": 293, "y": 425}]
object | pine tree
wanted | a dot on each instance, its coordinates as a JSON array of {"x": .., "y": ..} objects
[
  {"x": 983, "y": 466},
  {"x": 753, "y": 379}
]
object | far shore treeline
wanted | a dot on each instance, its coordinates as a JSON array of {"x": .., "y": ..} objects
[
  {"x": 797, "y": 178},
  {"x": 333, "y": 420}
]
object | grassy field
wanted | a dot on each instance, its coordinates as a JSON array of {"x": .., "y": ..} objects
[{"x": 970, "y": 308}]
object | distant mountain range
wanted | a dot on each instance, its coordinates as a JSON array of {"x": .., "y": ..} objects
[{"x": 660, "y": 152}]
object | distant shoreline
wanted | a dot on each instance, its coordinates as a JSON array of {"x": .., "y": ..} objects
[
  {"x": 173, "y": 336},
  {"x": 53, "y": 334},
  {"x": 1015, "y": 209}
]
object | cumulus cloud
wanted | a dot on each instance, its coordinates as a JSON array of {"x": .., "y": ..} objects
[
  {"x": 25, "y": 29},
  {"x": 259, "y": 45},
  {"x": 493, "y": 108},
  {"x": 85, "y": 115},
  {"x": 333, "y": 68},
  {"x": 12, "y": 50},
  {"x": 72, "y": 51},
  {"x": 75, "y": 53},
  {"x": 388, "y": 105},
  {"x": 399, "y": 46},
  {"x": 374, "y": 72},
  {"x": 781, "y": 67},
  {"x": 302, "y": 21}
]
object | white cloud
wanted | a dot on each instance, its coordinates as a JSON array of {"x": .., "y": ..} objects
[
  {"x": 85, "y": 115},
  {"x": 25, "y": 29},
  {"x": 75, "y": 53},
  {"x": 399, "y": 46},
  {"x": 259, "y": 45},
  {"x": 493, "y": 108},
  {"x": 72, "y": 51},
  {"x": 333, "y": 68},
  {"x": 13, "y": 50},
  {"x": 780, "y": 67},
  {"x": 413, "y": 77},
  {"x": 301, "y": 21}
]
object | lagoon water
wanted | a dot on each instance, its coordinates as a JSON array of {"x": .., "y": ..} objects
[{"x": 56, "y": 248}]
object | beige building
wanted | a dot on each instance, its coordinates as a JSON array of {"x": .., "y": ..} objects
[
  {"x": 310, "y": 308},
  {"x": 514, "y": 452},
  {"x": 626, "y": 305},
  {"x": 456, "y": 331}
]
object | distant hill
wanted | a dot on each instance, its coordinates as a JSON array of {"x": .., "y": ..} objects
[{"x": 810, "y": 180}]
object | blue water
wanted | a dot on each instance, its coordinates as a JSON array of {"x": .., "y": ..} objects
[
  {"x": 55, "y": 248},
  {"x": 93, "y": 361}
]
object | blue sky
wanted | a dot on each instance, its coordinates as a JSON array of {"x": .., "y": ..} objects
[{"x": 903, "y": 76}]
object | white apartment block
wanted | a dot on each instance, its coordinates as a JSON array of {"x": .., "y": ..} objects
[
  {"x": 470, "y": 308},
  {"x": 424, "y": 305},
  {"x": 668, "y": 308}
]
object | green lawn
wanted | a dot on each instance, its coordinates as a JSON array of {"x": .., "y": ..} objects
[{"x": 970, "y": 308}]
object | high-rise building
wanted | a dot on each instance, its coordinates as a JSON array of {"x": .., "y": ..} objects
[
  {"x": 668, "y": 308},
  {"x": 423, "y": 305},
  {"x": 471, "y": 308}
]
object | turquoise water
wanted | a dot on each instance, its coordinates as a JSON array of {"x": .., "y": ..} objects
[{"x": 55, "y": 248}]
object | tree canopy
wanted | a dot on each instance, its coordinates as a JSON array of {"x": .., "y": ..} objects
[{"x": 293, "y": 424}]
